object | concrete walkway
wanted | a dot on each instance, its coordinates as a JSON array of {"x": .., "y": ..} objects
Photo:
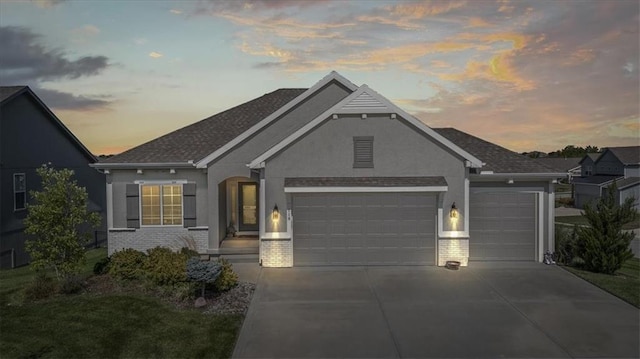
[{"x": 507, "y": 310}]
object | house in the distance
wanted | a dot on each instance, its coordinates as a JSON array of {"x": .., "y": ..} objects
[
  {"x": 31, "y": 135},
  {"x": 615, "y": 164},
  {"x": 335, "y": 174}
]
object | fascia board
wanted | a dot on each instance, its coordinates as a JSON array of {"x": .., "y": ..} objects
[
  {"x": 353, "y": 189},
  {"x": 142, "y": 165},
  {"x": 203, "y": 163}
]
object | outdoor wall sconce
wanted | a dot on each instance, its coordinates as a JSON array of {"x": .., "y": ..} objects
[
  {"x": 275, "y": 214},
  {"x": 453, "y": 213}
]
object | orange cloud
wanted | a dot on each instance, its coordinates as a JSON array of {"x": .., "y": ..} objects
[
  {"x": 579, "y": 56},
  {"x": 423, "y": 9}
]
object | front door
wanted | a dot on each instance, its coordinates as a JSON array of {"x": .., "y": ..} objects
[{"x": 248, "y": 203}]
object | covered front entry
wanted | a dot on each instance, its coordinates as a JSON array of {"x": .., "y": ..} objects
[
  {"x": 502, "y": 226},
  {"x": 377, "y": 228}
]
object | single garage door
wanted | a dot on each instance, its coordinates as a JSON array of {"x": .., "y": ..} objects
[
  {"x": 364, "y": 228},
  {"x": 502, "y": 226}
]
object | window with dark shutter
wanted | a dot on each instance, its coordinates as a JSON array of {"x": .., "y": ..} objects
[{"x": 363, "y": 152}]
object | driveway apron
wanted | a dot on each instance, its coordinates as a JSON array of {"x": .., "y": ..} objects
[{"x": 510, "y": 310}]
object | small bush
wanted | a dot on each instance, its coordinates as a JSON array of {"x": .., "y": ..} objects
[
  {"x": 227, "y": 278},
  {"x": 184, "y": 291},
  {"x": 165, "y": 267},
  {"x": 72, "y": 284},
  {"x": 42, "y": 287},
  {"x": 203, "y": 272},
  {"x": 102, "y": 266},
  {"x": 127, "y": 264},
  {"x": 190, "y": 253},
  {"x": 566, "y": 245}
]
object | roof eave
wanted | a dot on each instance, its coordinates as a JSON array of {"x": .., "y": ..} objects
[
  {"x": 102, "y": 165},
  {"x": 543, "y": 175}
]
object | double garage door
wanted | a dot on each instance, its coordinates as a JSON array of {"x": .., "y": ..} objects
[
  {"x": 502, "y": 226},
  {"x": 364, "y": 228}
]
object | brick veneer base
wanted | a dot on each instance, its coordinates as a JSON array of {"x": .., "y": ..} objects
[
  {"x": 276, "y": 253},
  {"x": 142, "y": 239},
  {"x": 453, "y": 250}
]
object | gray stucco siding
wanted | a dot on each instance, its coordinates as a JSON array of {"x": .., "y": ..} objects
[
  {"x": 120, "y": 178},
  {"x": 399, "y": 150},
  {"x": 234, "y": 163}
]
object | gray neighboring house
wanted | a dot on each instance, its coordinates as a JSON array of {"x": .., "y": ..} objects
[
  {"x": 599, "y": 170},
  {"x": 570, "y": 165},
  {"x": 331, "y": 175},
  {"x": 30, "y": 136}
]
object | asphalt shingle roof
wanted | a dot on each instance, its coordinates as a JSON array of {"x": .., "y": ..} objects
[
  {"x": 629, "y": 155},
  {"x": 364, "y": 181},
  {"x": 198, "y": 140},
  {"x": 497, "y": 159},
  {"x": 562, "y": 164},
  {"x": 8, "y": 91}
]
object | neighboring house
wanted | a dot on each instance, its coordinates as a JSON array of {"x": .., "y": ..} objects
[
  {"x": 569, "y": 165},
  {"x": 31, "y": 135},
  {"x": 599, "y": 171},
  {"x": 331, "y": 175}
]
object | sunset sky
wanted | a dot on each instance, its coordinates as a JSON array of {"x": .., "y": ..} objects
[{"x": 528, "y": 75}]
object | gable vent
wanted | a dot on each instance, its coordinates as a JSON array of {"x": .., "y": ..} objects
[
  {"x": 365, "y": 102},
  {"x": 363, "y": 152}
]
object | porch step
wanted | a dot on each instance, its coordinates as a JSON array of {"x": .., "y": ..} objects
[{"x": 241, "y": 258}]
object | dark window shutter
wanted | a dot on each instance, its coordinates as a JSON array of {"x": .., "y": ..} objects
[
  {"x": 133, "y": 205},
  {"x": 189, "y": 204},
  {"x": 363, "y": 152}
]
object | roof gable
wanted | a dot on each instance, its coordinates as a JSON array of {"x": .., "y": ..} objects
[
  {"x": 9, "y": 93},
  {"x": 629, "y": 155},
  {"x": 364, "y": 101}
]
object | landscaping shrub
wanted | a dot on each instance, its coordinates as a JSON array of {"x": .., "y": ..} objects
[
  {"x": 102, "y": 266},
  {"x": 72, "y": 284},
  {"x": 566, "y": 244},
  {"x": 190, "y": 253},
  {"x": 42, "y": 287},
  {"x": 127, "y": 264},
  {"x": 165, "y": 267},
  {"x": 603, "y": 245},
  {"x": 203, "y": 272},
  {"x": 227, "y": 278}
]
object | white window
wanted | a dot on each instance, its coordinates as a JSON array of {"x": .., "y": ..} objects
[
  {"x": 161, "y": 205},
  {"x": 19, "y": 191}
]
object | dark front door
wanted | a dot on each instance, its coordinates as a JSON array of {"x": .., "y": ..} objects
[{"x": 248, "y": 203}]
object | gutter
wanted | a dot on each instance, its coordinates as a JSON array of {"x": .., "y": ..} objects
[{"x": 159, "y": 165}]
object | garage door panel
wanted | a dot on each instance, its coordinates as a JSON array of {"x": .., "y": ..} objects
[
  {"x": 372, "y": 229},
  {"x": 502, "y": 226}
]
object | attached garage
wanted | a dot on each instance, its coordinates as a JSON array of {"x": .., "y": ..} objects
[
  {"x": 369, "y": 228},
  {"x": 502, "y": 226}
]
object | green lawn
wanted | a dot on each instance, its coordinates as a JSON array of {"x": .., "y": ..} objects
[
  {"x": 106, "y": 326},
  {"x": 625, "y": 284},
  {"x": 580, "y": 220}
]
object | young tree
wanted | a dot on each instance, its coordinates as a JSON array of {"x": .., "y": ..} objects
[
  {"x": 57, "y": 219},
  {"x": 603, "y": 245}
]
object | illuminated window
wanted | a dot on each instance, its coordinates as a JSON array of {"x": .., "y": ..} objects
[
  {"x": 19, "y": 191},
  {"x": 161, "y": 205},
  {"x": 363, "y": 152}
]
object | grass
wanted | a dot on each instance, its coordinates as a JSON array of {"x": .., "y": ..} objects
[
  {"x": 106, "y": 326},
  {"x": 625, "y": 284},
  {"x": 580, "y": 220}
]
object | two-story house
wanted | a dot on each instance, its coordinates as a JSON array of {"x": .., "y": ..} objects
[
  {"x": 31, "y": 135},
  {"x": 600, "y": 170}
]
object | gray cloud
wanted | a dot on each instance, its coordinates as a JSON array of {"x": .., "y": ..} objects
[{"x": 25, "y": 61}]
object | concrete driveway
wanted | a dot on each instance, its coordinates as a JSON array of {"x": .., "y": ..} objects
[{"x": 492, "y": 311}]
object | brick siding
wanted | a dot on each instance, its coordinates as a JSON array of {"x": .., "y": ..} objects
[
  {"x": 276, "y": 253},
  {"x": 453, "y": 250},
  {"x": 142, "y": 239}
]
